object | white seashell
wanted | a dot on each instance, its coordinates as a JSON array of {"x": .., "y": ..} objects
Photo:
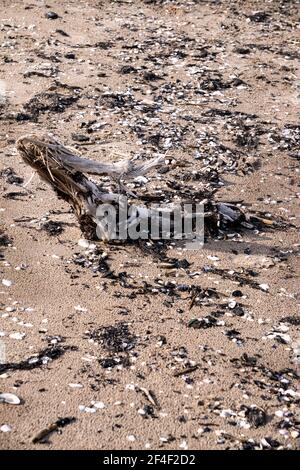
[
  {"x": 9, "y": 398},
  {"x": 213, "y": 258},
  {"x": 6, "y": 282},
  {"x": 78, "y": 308},
  {"x": 5, "y": 428},
  {"x": 99, "y": 404},
  {"x": 83, "y": 243},
  {"x": 264, "y": 287},
  {"x": 17, "y": 335},
  {"x": 141, "y": 180}
]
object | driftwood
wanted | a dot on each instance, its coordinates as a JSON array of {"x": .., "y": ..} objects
[{"x": 63, "y": 169}]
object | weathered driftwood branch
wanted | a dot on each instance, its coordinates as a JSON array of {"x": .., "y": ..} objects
[{"x": 63, "y": 170}]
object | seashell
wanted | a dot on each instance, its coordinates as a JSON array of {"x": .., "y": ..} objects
[
  {"x": 83, "y": 243},
  {"x": 5, "y": 428},
  {"x": 9, "y": 398},
  {"x": 17, "y": 335}
]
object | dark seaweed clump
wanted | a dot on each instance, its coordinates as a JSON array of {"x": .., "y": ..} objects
[
  {"x": 115, "y": 338},
  {"x": 51, "y": 353}
]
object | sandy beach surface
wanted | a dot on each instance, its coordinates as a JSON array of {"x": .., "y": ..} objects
[{"x": 105, "y": 341}]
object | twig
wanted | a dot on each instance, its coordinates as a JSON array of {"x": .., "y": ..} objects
[{"x": 188, "y": 370}]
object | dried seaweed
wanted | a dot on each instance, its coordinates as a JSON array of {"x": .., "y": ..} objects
[
  {"x": 43, "y": 357},
  {"x": 53, "y": 227},
  {"x": 116, "y": 338}
]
